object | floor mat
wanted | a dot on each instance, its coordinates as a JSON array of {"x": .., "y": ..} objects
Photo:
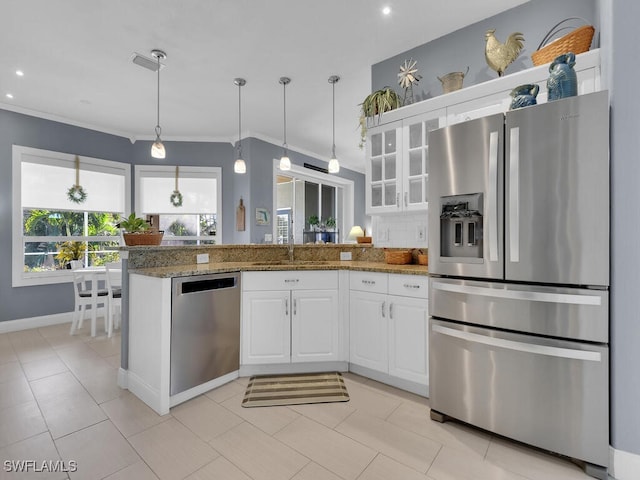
[{"x": 296, "y": 389}]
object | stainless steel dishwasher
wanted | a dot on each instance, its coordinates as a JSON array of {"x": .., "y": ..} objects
[{"x": 205, "y": 329}]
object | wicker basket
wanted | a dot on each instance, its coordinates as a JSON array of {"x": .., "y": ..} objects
[
  {"x": 397, "y": 257},
  {"x": 147, "y": 238},
  {"x": 577, "y": 41}
]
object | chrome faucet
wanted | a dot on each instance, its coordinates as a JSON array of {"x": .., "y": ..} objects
[{"x": 290, "y": 248}]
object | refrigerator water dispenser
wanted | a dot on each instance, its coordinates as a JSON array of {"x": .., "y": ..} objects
[{"x": 461, "y": 226}]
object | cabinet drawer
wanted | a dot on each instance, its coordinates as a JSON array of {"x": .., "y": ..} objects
[
  {"x": 409, "y": 285},
  {"x": 368, "y": 282},
  {"x": 290, "y": 280}
]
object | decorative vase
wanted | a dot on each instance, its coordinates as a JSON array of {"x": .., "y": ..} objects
[
  {"x": 524, "y": 96},
  {"x": 562, "y": 81}
]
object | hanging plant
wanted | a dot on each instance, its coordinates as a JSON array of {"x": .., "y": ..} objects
[
  {"x": 76, "y": 193},
  {"x": 176, "y": 196}
]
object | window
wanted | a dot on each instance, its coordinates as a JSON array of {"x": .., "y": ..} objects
[
  {"x": 49, "y": 230},
  {"x": 302, "y": 193},
  {"x": 198, "y": 220}
]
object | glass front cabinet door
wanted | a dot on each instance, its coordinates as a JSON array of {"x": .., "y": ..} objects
[
  {"x": 383, "y": 169},
  {"x": 415, "y": 133}
]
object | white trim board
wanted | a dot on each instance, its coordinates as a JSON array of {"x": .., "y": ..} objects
[
  {"x": 624, "y": 465},
  {"x": 35, "y": 322}
]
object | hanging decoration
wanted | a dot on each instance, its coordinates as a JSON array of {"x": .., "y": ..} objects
[
  {"x": 240, "y": 217},
  {"x": 407, "y": 77},
  {"x": 176, "y": 196},
  {"x": 76, "y": 193}
]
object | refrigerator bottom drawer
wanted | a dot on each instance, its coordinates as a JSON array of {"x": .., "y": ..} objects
[{"x": 552, "y": 394}]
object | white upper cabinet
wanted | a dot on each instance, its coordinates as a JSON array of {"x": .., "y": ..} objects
[{"x": 397, "y": 170}]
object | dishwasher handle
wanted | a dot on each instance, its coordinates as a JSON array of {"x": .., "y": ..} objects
[{"x": 205, "y": 285}]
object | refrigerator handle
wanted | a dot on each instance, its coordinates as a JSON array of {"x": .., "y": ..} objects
[
  {"x": 519, "y": 346},
  {"x": 514, "y": 195},
  {"x": 492, "y": 201}
]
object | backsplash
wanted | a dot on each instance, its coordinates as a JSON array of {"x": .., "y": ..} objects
[{"x": 400, "y": 230}]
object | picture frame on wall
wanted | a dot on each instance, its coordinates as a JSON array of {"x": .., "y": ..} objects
[{"x": 263, "y": 216}]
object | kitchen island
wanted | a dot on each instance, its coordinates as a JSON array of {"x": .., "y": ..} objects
[{"x": 315, "y": 313}]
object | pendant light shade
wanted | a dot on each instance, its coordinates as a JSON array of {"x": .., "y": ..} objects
[
  {"x": 334, "y": 165},
  {"x": 285, "y": 163},
  {"x": 239, "y": 166},
  {"x": 157, "y": 149}
]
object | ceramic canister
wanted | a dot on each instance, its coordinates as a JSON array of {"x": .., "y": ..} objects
[{"x": 562, "y": 81}]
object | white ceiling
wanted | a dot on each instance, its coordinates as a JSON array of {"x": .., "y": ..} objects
[{"x": 76, "y": 56}]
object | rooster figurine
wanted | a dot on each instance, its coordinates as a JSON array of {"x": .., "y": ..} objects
[{"x": 500, "y": 55}]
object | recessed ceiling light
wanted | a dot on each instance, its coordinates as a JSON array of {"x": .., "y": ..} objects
[
  {"x": 386, "y": 10},
  {"x": 9, "y": 95},
  {"x": 20, "y": 73}
]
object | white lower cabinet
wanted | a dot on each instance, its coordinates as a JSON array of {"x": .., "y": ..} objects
[
  {"x": 389, "y": 325},
  {"x": 368, "y": 331},
  {"x": 266, "y": 332},
  {"x": 300, "y": 324},
  {"x": 315, "y": 325},
  {"x": 408, "y": 338}
]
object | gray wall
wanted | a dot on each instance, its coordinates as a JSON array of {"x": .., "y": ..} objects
[
  {"x": 38, "y": 133},
  {"x": 255, "y": 188},
  {"x": 619, "y": 57},
  {"x": 465, "y": 47}
]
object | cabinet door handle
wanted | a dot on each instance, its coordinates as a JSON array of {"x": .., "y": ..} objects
[
  {"x": 391, "y": 311},
  {"x": 398, "y": 199},
  {"x": 369, "y": 282},
  {"x": 406, "y": 199},
  {"x": 295, "y": 306},
  {"x": 286, "y": 306},
  {"x": 408, "y": 285},
  {"x": 383, "y": 305},
  {"x": 291, "y": 280}
]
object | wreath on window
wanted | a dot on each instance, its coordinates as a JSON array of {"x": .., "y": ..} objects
[
  {"x": 176, "y": 196},
  {"x": 76, "y": 193}
]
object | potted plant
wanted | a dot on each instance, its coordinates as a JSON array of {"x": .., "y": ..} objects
[
  {"x": 330, "y": 224},
  {"x": 314, "y": 222},
  {"x": 137, "y": 231},
  {"x": 375, "y": 104},
  {"x": 70, "y": 251}
]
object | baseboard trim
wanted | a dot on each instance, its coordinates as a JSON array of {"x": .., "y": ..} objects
[
  {"x": 35, "y": 322},
  {"x": 624, "y": 465}
]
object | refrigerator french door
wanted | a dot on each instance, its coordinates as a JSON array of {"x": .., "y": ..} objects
[{"x": 519, "y": 265}]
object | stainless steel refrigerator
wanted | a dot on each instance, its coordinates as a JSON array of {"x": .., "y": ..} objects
[{"x": 519, "y": 265}]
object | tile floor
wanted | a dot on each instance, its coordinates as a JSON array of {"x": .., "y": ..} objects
[{"x": 59, "y": 402}]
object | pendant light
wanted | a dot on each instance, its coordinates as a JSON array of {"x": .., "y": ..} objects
[
  {"x": 157, "y": 149},
  {"x": 239, "y": 166},
  {"x": 285, "y": 163},
  {"x": 334, "y": 165}
]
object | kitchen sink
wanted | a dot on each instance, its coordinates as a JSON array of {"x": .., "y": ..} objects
[{"x": 289, "y": 262}]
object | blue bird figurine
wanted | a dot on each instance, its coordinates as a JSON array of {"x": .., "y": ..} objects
[
  {"x": 524, "y": 95},
  {"x": 562, "y": 81}
]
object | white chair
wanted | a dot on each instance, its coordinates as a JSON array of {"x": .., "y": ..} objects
[
  {"x": 114, "y": 286},
  {"x": 87, "y": 293}
]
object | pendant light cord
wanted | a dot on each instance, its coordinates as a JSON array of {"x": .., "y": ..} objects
[
  {"x": 284, "y": 90},
  {"x": 333, "y": 147},
  {"x": 239, "y": 119},
  {"x": 158, "y": 128}
]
